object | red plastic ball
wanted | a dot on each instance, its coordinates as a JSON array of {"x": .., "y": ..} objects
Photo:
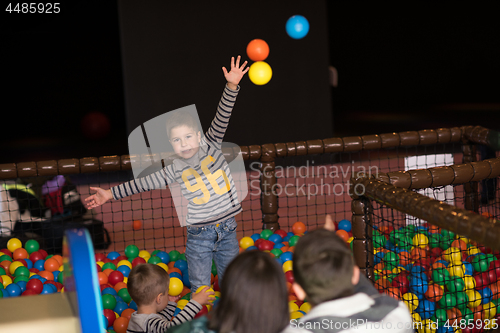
[
  {"x": 100, "y": 256},
  {"x": 35, "y": 285},
  {"x": 266, "y": 245},
  {"x": 115, "y": 277},
  {"x": 138, "y": 261},
  {"x": 402, "y": 283},
  {"x": 202, "y": 312},
  {"x": 110, "y": 316},
  {"x": 43, "y": 253},
  {"x": 289, "y": 276},
  {"x": 281, "y": 232},
  {"x": 29, "y": 292}
]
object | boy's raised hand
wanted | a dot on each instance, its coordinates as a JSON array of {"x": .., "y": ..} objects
[
  {"x": 100, "y": 197},
  {"x": 236, "y": 73}
]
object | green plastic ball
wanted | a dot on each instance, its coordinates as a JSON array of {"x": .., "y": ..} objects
[
  {"x": 434, "y": 240},
  {"x": 174, "y": 255},
  {"x": 22, "y": 271},
  {"x": 131, "y": 252},
  {"x": 391, "y": 259},
  {"x": 276, "y": 252},
  {"x": 462, "y": 300},
  {"x": 5, "y": 257},
  {"x": 214, "y": 269},
  {"x": 109, "y": 265},
  {"x": 448, "y": 301},
  {"x": 123, "y": 293},
  {"x": 455, "y": 284},
  {"x": 154, "y": 252},
  {"x": 108, "y": 301},
  {"x": 182, "y": 256},
  {"x": 480, "y": 263},
  {"x": 293, "y": 240},
  {"x": 31, "y": 246},
  {"x": 440, "y": 276},
  {"x": 154, "y": 260},
  {"x": 265, "y": 234},
  {"x": 60, "y": 277},
  {"x": 2, "y": 271},
  {"x": 21, "y": 278}
]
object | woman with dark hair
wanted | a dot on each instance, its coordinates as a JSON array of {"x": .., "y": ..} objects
[{"x": 253, "y": 299}]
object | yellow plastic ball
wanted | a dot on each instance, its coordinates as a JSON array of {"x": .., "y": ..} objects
[
  {"x": 182, "y": 303},
  {"x": 306, "y": 307},
  {"x": 175, "y": 287},
  {"x": 474, "y": 299},
  {"x": 292, "y": 306},
  {"x": 296, "y": 315},
  {"x": 473, "y": 250},
  {"x": 14, "y": 244},
  {"x": 246, "y": 242},
  {"x": 490, "y": 310},
  {"x": 456, "y": 268},
  {"x": 420, "y": 240},
  {"x": 100, "y": 263},
  {"x": 287, "y": 266},
  {"x": 411, "y": 301},
  {"x": 350, "y": 240},
  {"x": 217, "y": 293},
  {"x": 6, "y": 280},
  {"x": 470, "y": 282},
  {"x": 260, "y": 73},
  {"x": 145, "y": 255},
  {"x": 124, "y": 262},
  {"x": 14, "y": 266},
  {"x": 452, "y": 254},
  {"x": 125, "y": 279},
  {"x": 162, "y": 265},
  {"x": 416, "y": 317}
]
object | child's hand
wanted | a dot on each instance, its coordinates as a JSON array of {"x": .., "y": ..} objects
[
  {"x": 100, "y": 197},
  {"x": 174, "y": 298},
  {"x": 203, "y": 297},
  {"x": 236, "y": 74}
]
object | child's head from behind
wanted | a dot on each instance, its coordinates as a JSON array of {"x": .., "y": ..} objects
[
  {"x": 323, "y": 267},
  {"x": 183, "y": 133},
  {"x": 146, "y": 282},
  {"x": 254, "y": 296}
]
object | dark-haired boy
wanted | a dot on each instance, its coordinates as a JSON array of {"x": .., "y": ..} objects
[{"x": 326, "y": 275}]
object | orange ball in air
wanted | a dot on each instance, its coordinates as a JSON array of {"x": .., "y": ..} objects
[{"x": 257, "y": 50}]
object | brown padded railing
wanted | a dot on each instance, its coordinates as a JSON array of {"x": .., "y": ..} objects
[
  {"x": 393, "y": 189},
  {"x": 267, "y": 153}
]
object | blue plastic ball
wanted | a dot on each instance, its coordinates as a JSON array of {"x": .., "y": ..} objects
[
  {"x": 286, "y": 256},
  {"x": 275, "y": 238},
  {"x": 47, "y": 289},
  {"x": 22, "y": 285},
  {"x": 469, "y": 270},
  {"x": 426, "y": 309},
  {"x": 29, "y": 263},
  {"x": 132, "y": 305},
  {"x": 279, "y": 245},
  {"x": 418, "y": 285},
  {"x": 164, "y": 256},
  {"x": 252, "y": 248},
  {"x": 176, "y": 312},
  {"x": 486, "y": 295},
  {"x": 175, "y": 274},
  {"x": 185, "y": 279},
  {"x": 39, "y": 265},
  {"x": 255, "y": 237},
  {"x": 345, "y": 225},
  {"x": 113, "y": 255},
  {"x": 110, "y": 291},
  {"x": 124, "y": 269},
  {"x": 120, "y": 306},
  {"x": 297, "y": 27},
  {"x": 181, "y": 264},
  {"x": 13, "y": 290}
]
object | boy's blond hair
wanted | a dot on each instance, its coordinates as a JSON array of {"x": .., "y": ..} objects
[
  {"x": 145, "y": 282},
  {"x": 181, "y": 118}
]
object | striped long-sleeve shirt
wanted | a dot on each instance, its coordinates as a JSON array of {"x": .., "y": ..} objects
[
  {"x": 160, "y": 322},
  {"x": 204, "y": 171}
]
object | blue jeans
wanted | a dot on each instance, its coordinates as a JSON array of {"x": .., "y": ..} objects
[{"x": 214, "y": 241}]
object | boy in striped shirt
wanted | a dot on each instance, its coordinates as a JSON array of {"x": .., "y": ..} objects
[
  {"x": 148, "y": 286},
  {"x": 206, "y": 183}
]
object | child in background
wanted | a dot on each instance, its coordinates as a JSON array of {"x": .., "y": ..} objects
[
  {"x": 211, "y": 230},
  {"x": 148, "y": 286},
  {"x": 325, "y": 274}
]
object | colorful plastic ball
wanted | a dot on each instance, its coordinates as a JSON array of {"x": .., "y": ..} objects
[
  {"x": 123, "y": 293},
  {"x": 108, "y": 301},
  {"x": 420, "y": 240},
  {"x": 165, "y": 258},
  {"x": 15, "y": 265},
  {"x": 343, "y": 234},
  {"x": 125, "y": 270},
  {"x": 440, "y": 276},
  {"x": 455, "y": 284},
  {"x": 286, "y": 256},
  {"x": 144, "y": 254},
  {"x": 275, "y": 238},
  {"x": 131, "y": 251},
  {"x": 35, "y": 285},
  {"x": 110, "y": 316},
  {"x": 265, "y": 234},
  {"x": 154, "y": 260},
  {"x": 113, "y": 255},
  {"x": 480, "y": 263},
  {"x": 175, "y": 275},
  {"x": 298, "y": 228},
  {"x": 257, "y": 50},
  {"x": 293, "y": 240},
  {"x": 448, "y": 301},
  {"x": 474, "y": 298},
  {"x": 469, "y": 270},
  {"x": 175, "y": 287},
  {"x": 287, "y": 266},
  {"x": 276, "y": 252},
  {"x": 391, "y": 259},
  {"x": 174, "y": 255},
  {"x": 345, "y": 225},
  {"x": 418, "y": 285},
  {"x": 136, "y": 261},
  {"x": 102, "y": 277},
  {"x": 260, "y": 73},
  {"x": 51, "y": 265},
  {"x": 490, "y": 310},
  {"x": 115, "y": 277},
  {"x": 486, "y": 295},
  {"x": 13, "y": 290},
  {"x": 32, "y": 246},
  {"x": 434, "y": 293},
  {"x": 136, "y": 224},
  {"x": 108, "y": 265},
  {"x": 20, "y": 253},
  {"x": 48, "y": 289},
  {"x": 426, "y": 309},
  {"x": 181, "y": 264},
  {"x": 297, "y": 26},
  {"x": 13, "y": 244},
  {"x": 120, "y": 325},
  {"x": 110, "y": 291}
]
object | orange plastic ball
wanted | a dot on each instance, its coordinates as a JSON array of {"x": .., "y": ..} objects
[
  {"x": 58, "y": 258},
  {"x": 174, "y": 269},
  {"x": 298, "y": 228},
  {"x": 108, "y": 271},
  {"x": 343, "y": 234},
  {"x": 404, "y": 258},
  {"x": 136, "y": 225},
  {"x": 20, "y": 253},
  {"x": 382, "y": 284},
  {"x": 434, "y": 293},
  {"x": 393, "y": 292},
  {"x": 51, "y": 265},
  {"x": 127, "y": 313},
  {"x": 47, "y": 275},
  {"x": 102, "y": 277},
  {"x": 120, "y": 325},
  {"x": 257, "y": 50},
  {"x": 120, "y": 285}
]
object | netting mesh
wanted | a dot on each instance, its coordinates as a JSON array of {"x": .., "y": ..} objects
[{"x": 448, "y": 281}]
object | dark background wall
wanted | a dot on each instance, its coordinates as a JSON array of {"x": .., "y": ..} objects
[{"x": 399, "y": 69}]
